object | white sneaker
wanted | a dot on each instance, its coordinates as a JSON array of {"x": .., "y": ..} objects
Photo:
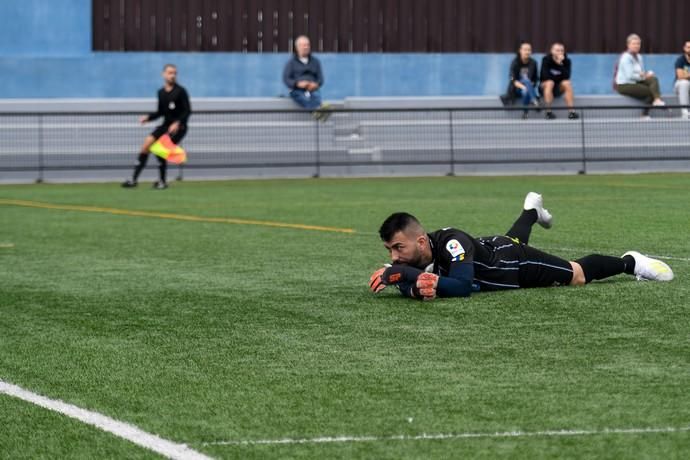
[
  {"x": 659, "y": 103},
  {"x": 534, "y": 201},
  {"x": 647, "y": 268}
]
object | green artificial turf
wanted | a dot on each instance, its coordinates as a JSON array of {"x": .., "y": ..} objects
[{"x": 202, "y": 332}]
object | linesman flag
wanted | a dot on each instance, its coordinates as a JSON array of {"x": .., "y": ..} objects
[{"x": 165, "y": 148}]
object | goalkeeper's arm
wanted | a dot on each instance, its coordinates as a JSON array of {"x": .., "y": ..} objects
[{"x": 415, "y": 283}]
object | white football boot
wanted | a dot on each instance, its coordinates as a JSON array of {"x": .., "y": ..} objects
[
  {"x": 534, "y": 201},
  {"x": 647, "y": 268}
]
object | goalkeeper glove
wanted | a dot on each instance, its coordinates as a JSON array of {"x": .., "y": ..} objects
[
  {"x": 426, "y": 285},
  {"x": 376, "y": 282}
]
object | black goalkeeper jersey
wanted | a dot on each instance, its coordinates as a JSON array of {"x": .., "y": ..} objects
[{"x": 496, "y": 260}]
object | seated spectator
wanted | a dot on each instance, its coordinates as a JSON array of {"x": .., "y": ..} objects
[
  {"x": 523, "y": 78},
  {"x": 555, "y": 80},
  {"x": 304, "y": 77},
  {"x": 633, "y": 80},
  {"x": 682, "y": 84}
]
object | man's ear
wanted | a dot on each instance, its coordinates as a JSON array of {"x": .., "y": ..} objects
[{"x": 421, "y": 240}]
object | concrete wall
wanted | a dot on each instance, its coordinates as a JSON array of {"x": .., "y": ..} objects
[{"x": 45, "y": 52}]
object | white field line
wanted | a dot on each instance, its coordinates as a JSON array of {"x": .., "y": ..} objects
[
  {"x": 449, "y": 436},
  {"x": 123, "y": 430}
]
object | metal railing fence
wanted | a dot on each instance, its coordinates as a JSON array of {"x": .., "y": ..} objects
[{"x": 445, "y": 140}]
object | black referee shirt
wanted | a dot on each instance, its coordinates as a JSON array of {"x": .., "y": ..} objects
[{"x": 173, "y": 106}]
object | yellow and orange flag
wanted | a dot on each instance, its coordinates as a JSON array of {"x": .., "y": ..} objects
[{"x": 164, "y": 147}]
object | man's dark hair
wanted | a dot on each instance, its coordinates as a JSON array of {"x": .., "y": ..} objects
[
  {"x": 165, "y": 67},
  {"x": 398, "y": 222}
]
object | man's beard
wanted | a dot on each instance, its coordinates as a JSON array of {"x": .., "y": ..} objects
[{"x": 415, "y": 261}]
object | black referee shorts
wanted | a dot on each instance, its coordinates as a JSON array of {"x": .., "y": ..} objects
[
  {"x": 176, "y": 138},
  {"x": 540, "y": 269}
]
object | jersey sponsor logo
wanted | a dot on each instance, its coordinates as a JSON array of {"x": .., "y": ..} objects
[
  {"x": 456, "y": 250},
  {"x": 171, "y": 105}
]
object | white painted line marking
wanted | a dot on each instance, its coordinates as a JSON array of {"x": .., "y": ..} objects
[
  {"x": 123, "y": 430},
  {"x": 442, "y": 436}
]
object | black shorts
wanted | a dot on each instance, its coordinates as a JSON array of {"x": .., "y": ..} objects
[
  {"x": 508, "y": 264},
  {"x": 176, "y": 138},
  {"x": 539, "y": 269}
]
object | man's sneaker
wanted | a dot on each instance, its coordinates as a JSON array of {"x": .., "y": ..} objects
[
  {"x": 573, "y": 116},
  {"x": 550, "y": 116},
  {"x": 160, "y": 185},
  {"x": 535, "y": 201},
  {"x": 324, "y": 112},
  {"x": 129, "y": 184},
  {"x": 647, "y": 268}
]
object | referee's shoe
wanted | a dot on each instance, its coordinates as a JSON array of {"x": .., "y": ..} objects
[{"x": 129, "y": 184}]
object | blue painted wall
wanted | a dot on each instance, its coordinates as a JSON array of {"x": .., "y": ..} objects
[
  {"x": 259, "y": 75},
  {"x": 45, "y": 27},
  {"x": 45, "y": 52}
]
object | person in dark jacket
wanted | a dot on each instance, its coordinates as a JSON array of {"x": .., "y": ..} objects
[
  {"x": 304, "y": 78},
  {"x": 555, "y": 80},
  {"x": 174, "y": 107},
  {"x": 523, "y": 78}
]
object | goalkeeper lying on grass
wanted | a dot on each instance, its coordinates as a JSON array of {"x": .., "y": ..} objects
[{"x": 451, "y": 263}]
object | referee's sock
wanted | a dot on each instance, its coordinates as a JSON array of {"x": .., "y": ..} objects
[
  {"x": 522, "y": 228},
  {"x": 162, "y": 168},
  {"x": 598, "y": 267},
  {"x": 143, "y": 158}
]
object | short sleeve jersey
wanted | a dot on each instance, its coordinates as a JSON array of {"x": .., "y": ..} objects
[{"x": 682, "y": 63}]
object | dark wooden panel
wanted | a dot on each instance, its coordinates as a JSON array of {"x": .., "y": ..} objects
[
  {"x": 315, "y": 24},
  {"x": 253, "y": 25},
  {"x": 406, "y": 25},
  {"x": 285, "y": 25},
  {"x": 116, "y": 17},
  {"x": 360, "y": 25},
  {"x": 269, "y": 25},
  {"x": 389, "y": 32},
  {"x": 132, "y": 29},
  {"x": 210, "y": 25},
  {"x": 419, "y": 33},
  {"x": 344, "y": 35},
  {"x": 300, "y": 20},
  {"x": 434, "y": 32},
  {"x": 464, "y": 30},
  {"x": 448, "y": 25},
  {"x": 176, "y": 25},
  {"x": 98, "y": 30},
  {"x": 387, "y": 25},
  {"x": 331, "y": 26}
]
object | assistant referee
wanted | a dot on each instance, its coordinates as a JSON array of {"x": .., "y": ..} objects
[{"x": 174, "y": 107}]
